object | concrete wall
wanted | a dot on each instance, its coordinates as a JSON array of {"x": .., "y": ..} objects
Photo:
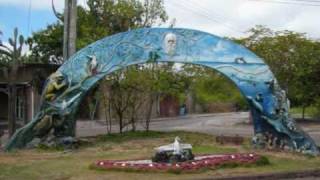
[{"x": 26, "y": 77}]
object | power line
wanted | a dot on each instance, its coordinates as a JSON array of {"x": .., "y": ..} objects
[
  {"x": 208, "y": 11},
  {"x": 203, "y": 14},
  {"x": 188, "y": 9},
  {"x": 28, "y": 18},
  {"x": 286, "y": 2},
  {"x": 308, "y": 2},
  {"x": 316, "y": 1}
]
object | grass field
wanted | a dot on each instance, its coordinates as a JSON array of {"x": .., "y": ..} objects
[
  {"x": 310, "y": 112},
  {"x": 57, "y": 164}
]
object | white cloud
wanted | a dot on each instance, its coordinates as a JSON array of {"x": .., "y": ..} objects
[
  {"x": 24, "y": 51},
  {"x": 233, "y": 17},
  {"x": 224, "y": 18},
  {"x": 308, "y": 22}
]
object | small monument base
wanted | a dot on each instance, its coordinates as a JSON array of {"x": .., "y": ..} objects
[{"x": 170, "y": 157}]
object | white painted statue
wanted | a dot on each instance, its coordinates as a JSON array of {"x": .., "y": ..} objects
[
  {"x": 170, "y": 43},
  {"x": 176, "y": 146}
]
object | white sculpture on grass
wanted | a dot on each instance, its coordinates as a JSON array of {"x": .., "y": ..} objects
[{"x": 174, "y": 152}]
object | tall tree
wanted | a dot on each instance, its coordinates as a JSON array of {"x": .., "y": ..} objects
[
  {"x": 46, "y": 45},
  {"x": 292, "y": 57},
  {"x": 101, "y": 18},
  {"x": 136, "y": 89}
]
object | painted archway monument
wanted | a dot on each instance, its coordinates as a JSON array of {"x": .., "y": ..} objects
[{"x": 70, "y": 83}]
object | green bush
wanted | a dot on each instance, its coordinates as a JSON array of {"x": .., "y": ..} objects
[{"x": 262, "y": 161}]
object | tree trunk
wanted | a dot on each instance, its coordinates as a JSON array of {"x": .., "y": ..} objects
[
  {"x": 120, "y": 123},
  {"x": 157, "y": 104},
  {"x": 107, "y": 112},
  {"x": 93, "y": 111},
  {"x": 110, "y": 118},
  {"x": 303, "y": 112},
  {"x": 12, "y": 98},
  {"x": 149, "y": 112},
  {"x": 133, "y": 124}
]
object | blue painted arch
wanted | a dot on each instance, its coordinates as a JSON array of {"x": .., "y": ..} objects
[{"x": 249, "y": 73}]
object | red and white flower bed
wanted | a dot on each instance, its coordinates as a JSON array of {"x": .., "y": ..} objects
[{"x": 198, "y": 163}]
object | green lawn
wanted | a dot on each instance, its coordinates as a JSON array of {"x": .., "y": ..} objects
[
  {"x": 310, "y": 112},
  {"x": 54, "y": 164}
]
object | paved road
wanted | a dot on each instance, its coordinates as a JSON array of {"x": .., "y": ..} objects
[
  {"x": 235, "y": 123},
  {"x": 225, "y": 123}
]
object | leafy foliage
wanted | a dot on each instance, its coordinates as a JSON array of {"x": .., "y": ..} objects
[
  {"x": 134, "y": 91},
  {"x": 293, "y": 58},
  {"x": 209, "y": 86},
  {"x": 46, "y": 45},
  {"x": 102, "y": 18}
]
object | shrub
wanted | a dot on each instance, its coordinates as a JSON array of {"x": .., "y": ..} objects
[{"x": 262, "y": 161}]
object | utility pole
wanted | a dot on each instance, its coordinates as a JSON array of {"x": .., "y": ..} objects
[{"x": 70, "y": 28}]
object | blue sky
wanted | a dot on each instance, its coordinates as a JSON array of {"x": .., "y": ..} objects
[{"x": 12, "y": 16}]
